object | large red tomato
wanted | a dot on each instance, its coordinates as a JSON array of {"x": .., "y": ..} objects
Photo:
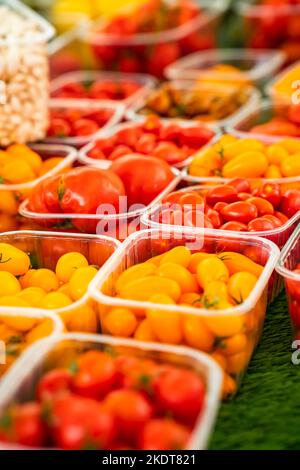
[{"x": 144, "y": 177}]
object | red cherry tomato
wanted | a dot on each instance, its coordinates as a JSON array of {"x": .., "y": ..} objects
[
  {"x": 260, "y": 224},
  {"x": 262, "y": 205},
  {"x": 164, "y": 434},
  {"x": 196, "y": 218},
  {"x": 96, "y": 375},
  {"x": 219, "y": 206},
  {"x": 241, "y": 211},
  {"x": 85, "y": 126},
  {"x": 132, "y": 169},
  {"x": 131, "y": 410},
  {"x": 293, "y": 286},
  {"x": 276, "y": 222},
  {"x": 283, "y": 218},
  {"x": 244, "y": 196},
  {"x": 241, "y": 185},
  {"x": 215, "y": 218},
  {"x": 146, "y": 144},
  {"x": 53, "y": 382},
  {"x": 59, "y": 127},
  {"x": 290, "y": 202},
  {"x": 271, "y": 192},
  {"x": 119, "y": 151},
  {"x": 180, "y": 392},
  {"x": 235, "y": 226},
  {"x": 169, "y": 152},
  {"x": 222, "y": 193}
]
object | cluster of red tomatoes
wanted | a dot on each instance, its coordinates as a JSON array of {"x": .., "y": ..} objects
[
  {"x": 77, "y": 122},
  {"x": 108, "y": 402},
  {"x": 233, "y": 206},
  {"x": 169, "y": 142},
  {"x": 97, "y": 90},
  {"x": 287, "y": 125},
  {"x": 154, "y": 16}
]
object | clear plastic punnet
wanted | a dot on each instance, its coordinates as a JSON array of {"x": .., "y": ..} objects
[
  {"x": 208, "y": 330},
  {"x": 289, "y": 268},
  {"x": 148, "y": 50},
  {"x": 206, "y": 102},
  {"x": 58, "y": 351},
  {"x": 86, "y": 159},
  {"x": 20, "y": 328},
  {"x": 45, "y": 248},
  {"x": 103, "y": 112},
  {"x": 140, "y": 84},
  {"x": 24, "y": 83},
  {"x": 242, "y": 127},
  {"x": 249, "y": 66},
  {"x": 116, "y": 225}
]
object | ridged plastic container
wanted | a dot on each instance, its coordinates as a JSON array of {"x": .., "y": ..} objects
[
  {"x": 116, "y": 110},
  {"x": 144, "y": 81},
  {"x": 266, "y": 110},
  {"x": 38, "y": 360},
  {"x": 247, "y": 318},
  {"x": 252, "y": 100},
  {"x": 271, "y": 26},
  {"x": 115, "y": 225},
  {"x": 253, "y": 66},
  {"x": 84, "y": 158},
  {"x": 15, "y": 316},
  {"x": 197, "y": 33},
  {"x": 46, "y": 248},
  {"x": 288, "y": 261}
]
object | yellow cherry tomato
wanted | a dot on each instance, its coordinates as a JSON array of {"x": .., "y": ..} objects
[
  {"x": 191, "y": 298},
  {"x": 64, "y": 289},
  {"x": 49, "y": 164},
  {"x": 8, "y": 223},
  {"x": 273, "y": 172},
  {"x": 83, "y": 318},
  {"x": 133, "y": 273},
  {"x": 145, "y": 287},
  {"x": 23, "y": 152},
  {"x": 155, "y": 260},
  {"x": 240, "y": 146},
  {"x": 67, "y": 265},
  {"x": 195, "y": 260},
  {"x": 166, "y": 325},
  {"x": 9, "y": 284},
  {"x": 276, "y": 153},
  {"x": 224, "y": 324},
  {"x": 234, "y": 344},
  {"x": 196, "y": 334},
  {"x": 179, "y": 255},
  {"x": 55, "y": 300},
  {"x": 206, "y": 160},
  {"x": 290, "y": 166},
  {"x": 13, "y": 260},
  {"x": 80, "y": 281},
  {"x": 144, "y": 332},
  {"x": 19, "y": 322},
  {"x": 8, "y": 202},
  {"x": 32, "y": 295},
  {"x": 45, "y": 279},
  {"x": 6, "y": 332},
  {"x": 240, "y": 286},
  {"x": 237, "y": 363},
  {"x": 179, "y": 274},
  {"x": 229, "y": 386},
  {"x": 43, "y": 329},
  {"x": 17, "y": 171},
  {"x": 120, "y": 322},
  {"x": 250, "y": 164},
  {"x": 215, "y": 294},
  {"x": 211, "y": 269},
  {"x": 220, "y": 359},
  {"x": 290, "y": 145},
  {"x": 236, "y": 262},
  {"x": 25, "y": 280}
]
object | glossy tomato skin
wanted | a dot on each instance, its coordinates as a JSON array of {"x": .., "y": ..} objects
[
  {"x": 241, "y": 185},
  {"x": 220, "y": 193},
  {"x": 180, "y": 392},
  {"x": 52, "y": 383},
  {"x": 290, "y": 202},
  {"x": 271, "y": 192},
  {"x": 263, "y": 206},
  {"x": 96, "y": 376},
  {"x": 234, "y": 226},
  {"x": 44, "y": 198},
  {"x": 260, "y": 224},
  {"x": 163, "y": 434},
  {"x": 144, "y": 177},
  {"x": 241, "y": 211}
]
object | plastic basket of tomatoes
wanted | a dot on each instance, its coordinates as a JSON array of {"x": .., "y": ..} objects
[
  {"x": 252, "y": 158},
  {"x": 200, "y": 289},
  {"x": 110, "y": 201},
  {"x": 173, "y": 143},
  {"x": 22, "y": 167},
  {"x": 51, "y": 271},
  {"x": 111, "y": 407},
  {"x": 97, "y": 86},
  {"x": 271, "y": 24},
  {"x": 19, "y": 329},
  {"x": 285, "y": 86},
  {"x": 195, "y": 100},
  {"x": 270, "y": 121},
  {"x": 289, "y": 267},
  {"x": 152, "y": 36},
  {"x": 76, "y": 123},
  {"x": 239, "y": 66}
]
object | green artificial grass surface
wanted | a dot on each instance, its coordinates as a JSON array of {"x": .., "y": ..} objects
[{"x": 265, "y": 414}]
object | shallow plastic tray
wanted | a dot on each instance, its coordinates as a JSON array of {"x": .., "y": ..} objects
[
  {"x": 249, "y": 315},
  {"x": 47, "y": 247},
  {"x": 255, "y": 66},
  {"x": 38, "y": 360}
]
